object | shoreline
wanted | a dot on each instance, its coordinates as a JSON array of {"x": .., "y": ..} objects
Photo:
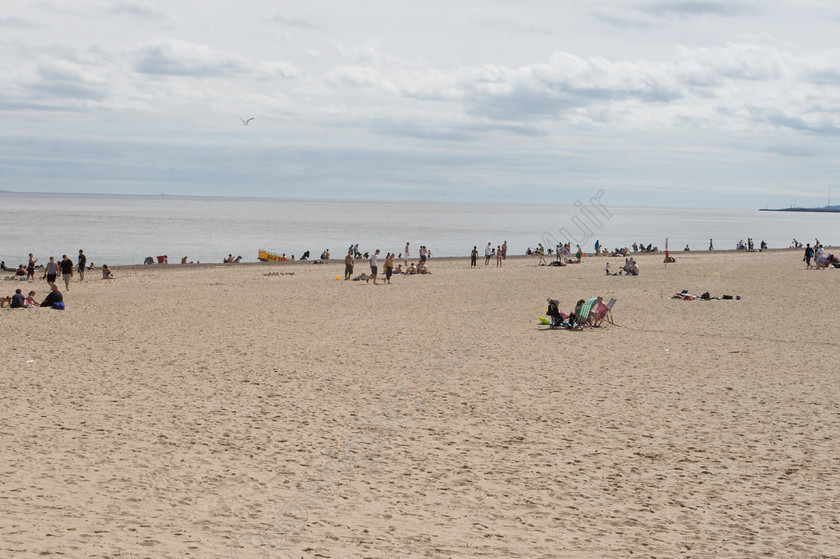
[{"x": 432, "y": 260}]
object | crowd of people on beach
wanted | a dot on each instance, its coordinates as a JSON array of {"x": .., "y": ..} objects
[
  {"x": 353, "y": 254},
  {"x": 50, "y": 273},
  {"x": 821, "y": 259}
]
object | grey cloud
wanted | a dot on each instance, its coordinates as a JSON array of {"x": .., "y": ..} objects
[
  {"x": 451, "y": 132},
  {"x": 567, "y": 82},
  {"x": 622, "y": 17},
  {"x": 815, "y": 121},
  {"x": 515, "y": 25},
  {"x": 65, "y": 80},
  {"x": 19, "y": 23},
  {"x": 140, "y": 11},
  {"x": 180, "y": 58},
  {"x": 692, "y": 8},
  {"x": 295, "y": 23}
]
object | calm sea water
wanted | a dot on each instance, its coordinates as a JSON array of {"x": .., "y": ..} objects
[{"x": 121, "y": 229}]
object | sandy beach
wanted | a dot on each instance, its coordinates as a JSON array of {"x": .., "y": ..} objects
[{"x": 272, "y": 411}]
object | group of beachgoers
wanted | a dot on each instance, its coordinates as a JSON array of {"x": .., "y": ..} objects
[
  {"x": 499, "y": 254},
  {"x": 821, "y": 259},
  {"x": 51, "y": 271},
  {"x": 353, "y": 254},
  {"x": 586, "y": 313},
  {"x": 749, "y": 246}
]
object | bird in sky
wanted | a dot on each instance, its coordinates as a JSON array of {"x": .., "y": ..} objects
[{"x": 245, "y": 122}]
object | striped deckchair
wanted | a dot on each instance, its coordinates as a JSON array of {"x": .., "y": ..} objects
[
  {"x": 607, "y": 315},
  {"x": 583, "y": 314}
]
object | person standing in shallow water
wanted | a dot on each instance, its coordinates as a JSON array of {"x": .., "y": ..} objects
[{"x": 405, "y": 254}]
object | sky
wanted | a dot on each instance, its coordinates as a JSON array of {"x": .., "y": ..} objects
[{"x": 731, "y": 103}]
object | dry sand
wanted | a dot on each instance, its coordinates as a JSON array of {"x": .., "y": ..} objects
[{"x": 173, "y": 412}]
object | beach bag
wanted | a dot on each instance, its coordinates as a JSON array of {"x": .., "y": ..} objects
[
  {"x": 58, "y": 305},
  {"x": 706, "y": 296},
  {"x": 727, "y": 297}
]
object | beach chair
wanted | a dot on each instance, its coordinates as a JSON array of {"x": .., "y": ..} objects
[
  {"x": 607, "y": 315},
  {"x": 582, "y": 317}
]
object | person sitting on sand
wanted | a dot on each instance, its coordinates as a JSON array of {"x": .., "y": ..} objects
[
  {"x": 30, "y": 301},
  {"x": 411, "y": 270},
  {"x": 54, "y": 296},
  {"x": 18, "y": 300},
  {"x": 422, "y": 269},
  {"x": 106, "y": 272},
  {"x": 91, "y": 267},
  {"x": 184, "y": 260},
  {"x": 398, "y": 269}
]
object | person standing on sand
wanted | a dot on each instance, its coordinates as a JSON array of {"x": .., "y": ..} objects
[
  {"x": 498, "y": 257},
  {"x": 711, "y": 246},
  {"x": 51, "y": 271},
  {"x": 406, "y": 253},
  {"x": 30, "y": 268},
  {"x": 504, "y": 250},
  {"x": 348, "y": 265},
  {"x": 487, "y": 253},
  {"x": 389, "y": 267},
  {"x": 66, "y": 266},
  {"x": 373, "y": 267},
  {"x": 81, "y": 264},
  {"x": 809, "y": 253},
  {"x": 473, "y": 256}
]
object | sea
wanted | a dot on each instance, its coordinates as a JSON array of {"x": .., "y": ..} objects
[{"x": 125, "y": 229}]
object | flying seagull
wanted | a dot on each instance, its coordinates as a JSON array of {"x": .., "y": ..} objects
[{"x": 245, "y": 122}]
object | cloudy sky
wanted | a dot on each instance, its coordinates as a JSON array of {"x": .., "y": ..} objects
[{"x": 716, "y": 103}]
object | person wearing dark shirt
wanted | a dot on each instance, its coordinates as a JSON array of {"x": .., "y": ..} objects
[
  {"x": 81, "y": 264},
  {"x": 66, "y": 266},
  {"x": 809, "y": 253},
  {"x": 54, "y": 296},
  {"x": 18, "y": 300}
]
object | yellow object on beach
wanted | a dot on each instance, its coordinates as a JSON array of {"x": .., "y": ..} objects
[
  {"x": 338, "y": 277},
  {"x": 544, "y": 320}
]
